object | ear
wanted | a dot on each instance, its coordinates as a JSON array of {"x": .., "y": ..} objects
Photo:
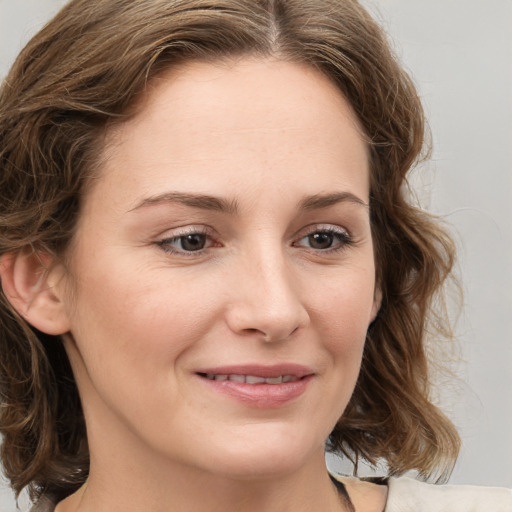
[
  {"x": 377, "y": 301},
  {"x": 34, "y": 286}
]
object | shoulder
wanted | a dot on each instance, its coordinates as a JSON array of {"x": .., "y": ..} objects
[{"x": 406, "y": 494}]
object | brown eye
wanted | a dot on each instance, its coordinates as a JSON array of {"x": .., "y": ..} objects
[
  {"x": 329, "y": 239},
  {"x": 321, "y": 240},
  {"x": 186, "y": 244},
  {"x": 194, "y": 242}
]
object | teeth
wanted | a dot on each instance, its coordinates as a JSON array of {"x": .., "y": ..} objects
[
  {"x": 253, "y": 379},
  {"x": 250, "y": 379},
  {"x": 274, "y": 380}
]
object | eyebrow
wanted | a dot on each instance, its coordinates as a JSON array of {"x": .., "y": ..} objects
[
  {"x": 201, "y": 201},
  {"x": 218, "y": 204},
  {"x": 319, "y": 201}
]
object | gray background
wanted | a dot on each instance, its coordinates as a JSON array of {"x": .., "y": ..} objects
[{"x": 460, "y": 54}]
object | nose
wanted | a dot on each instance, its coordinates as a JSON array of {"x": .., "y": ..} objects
[{"x": 266, "y": 301}]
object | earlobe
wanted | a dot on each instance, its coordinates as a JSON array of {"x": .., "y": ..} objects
[{"x": 32, "y": 284}]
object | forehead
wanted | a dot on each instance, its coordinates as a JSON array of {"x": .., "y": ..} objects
[{"x": 203, "y": 125}]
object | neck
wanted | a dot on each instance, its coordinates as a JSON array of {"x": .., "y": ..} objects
[{"x": 134, "y": 488}]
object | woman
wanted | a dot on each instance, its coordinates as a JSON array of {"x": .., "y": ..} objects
[{"x": 209, "y": 266}]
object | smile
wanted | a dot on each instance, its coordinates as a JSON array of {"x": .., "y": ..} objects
[
  {"x": 259, "y": 386},
  {"x": 251, "y": 379}
]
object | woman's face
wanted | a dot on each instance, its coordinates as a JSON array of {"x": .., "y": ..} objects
[{"x": 222, "y": 276}]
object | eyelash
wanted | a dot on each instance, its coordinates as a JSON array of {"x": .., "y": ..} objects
[
  {"x": 342, "y": 237},
  {"x": 166, "y": 246}
]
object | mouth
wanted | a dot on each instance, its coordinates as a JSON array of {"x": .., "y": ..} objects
[
  {"x": 258, "y": 386},
  {"x": 250, "y": 379},
  {"x": 256, "y": 373}
]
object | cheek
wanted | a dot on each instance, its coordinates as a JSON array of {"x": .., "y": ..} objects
[
  {"x": 342, "y": 314},
  {"x": 140, "y": 318},
  {"x": 344, "y": 304}
]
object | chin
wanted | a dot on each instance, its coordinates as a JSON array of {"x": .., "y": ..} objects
[{"x": 267, "y": 455}]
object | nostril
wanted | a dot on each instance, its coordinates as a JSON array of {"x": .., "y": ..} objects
[
  {"x": 266, "y": 336},
  {"x": 251, "y": 318}
]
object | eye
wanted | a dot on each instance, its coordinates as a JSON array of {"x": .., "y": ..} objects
[
  {"x": 186, "y": 243},
  {"x": 325, "y": 239},
  {"x": 190, "y": 243}
]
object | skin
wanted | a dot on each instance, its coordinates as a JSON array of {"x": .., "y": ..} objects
[{"x": 141, "y": 313}]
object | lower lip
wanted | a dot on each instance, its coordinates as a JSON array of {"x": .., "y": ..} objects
[{"x": 263, "y": 396}]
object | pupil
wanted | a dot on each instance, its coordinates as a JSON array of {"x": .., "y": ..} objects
[
  {"x": 321, "y": 240},
  {"x": 194, "y": 242}
]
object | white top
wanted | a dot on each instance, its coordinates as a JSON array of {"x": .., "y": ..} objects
[{"x": 408, "y": 495}]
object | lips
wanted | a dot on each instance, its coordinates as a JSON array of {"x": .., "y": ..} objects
[{"x": 259, "y": 386}]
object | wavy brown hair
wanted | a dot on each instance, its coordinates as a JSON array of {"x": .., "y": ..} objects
[{"x": 82, "y": 73}]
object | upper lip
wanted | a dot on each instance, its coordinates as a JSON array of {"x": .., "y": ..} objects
[{"x": 258, "y": 370}]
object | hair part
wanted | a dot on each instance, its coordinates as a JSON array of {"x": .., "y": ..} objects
[{"x": 84, "y": 72}]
